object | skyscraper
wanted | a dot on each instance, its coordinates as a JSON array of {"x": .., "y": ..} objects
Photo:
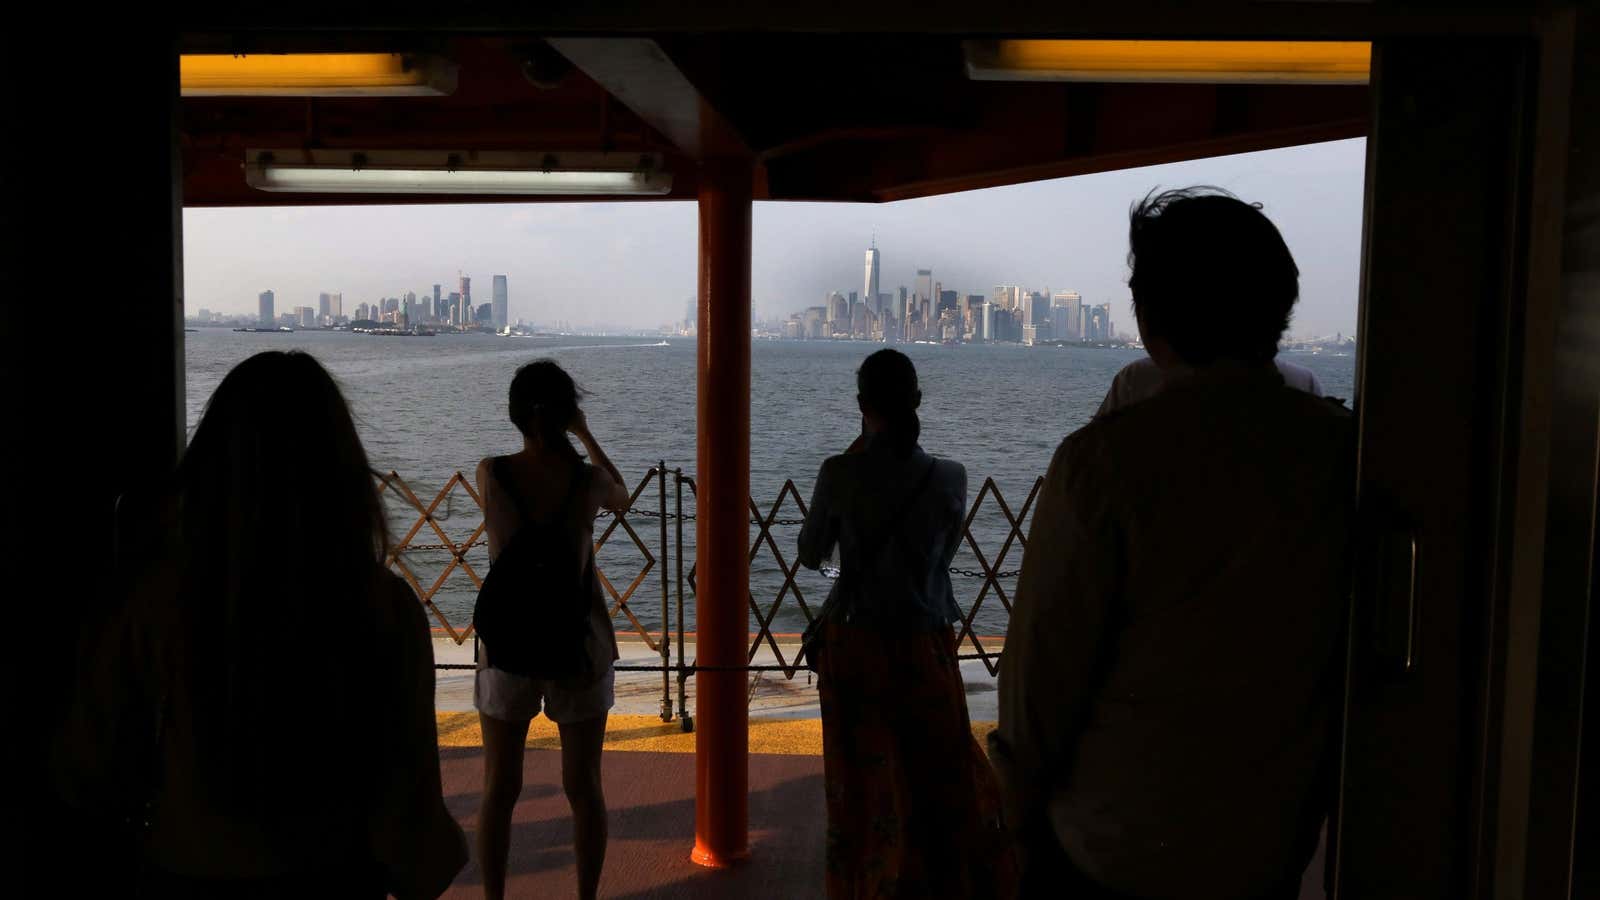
[
  {"x": 917, "y": 308},
  {"x": 1064, "y": 315},
  {"x": 838, "y": 317},
  {"x": 325, "y": 308},
  {"x": 501, "y": 304},
  {"x": 1036, "y": 312},
  {"x": 814, "y": 322},
  {"x": 869, "y": 293},
  {"x": 438, "y": 304},
  {"x": 266, "y": 314},
  {"x": 464, "y": 310},
  {"x": 1102, "y": 316}
]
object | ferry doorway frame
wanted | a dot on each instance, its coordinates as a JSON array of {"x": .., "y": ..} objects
[
  {"x": 1462, "y": 722},
  {"x": 1461, "y": 756}
]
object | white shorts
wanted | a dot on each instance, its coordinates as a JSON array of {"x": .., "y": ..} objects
[{"x": 517, "y": 698}]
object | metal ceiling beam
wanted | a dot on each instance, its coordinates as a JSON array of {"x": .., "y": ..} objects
[{"x": 639, "y": 74}]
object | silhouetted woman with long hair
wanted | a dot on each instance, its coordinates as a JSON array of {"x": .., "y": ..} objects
[
  {"x": 913, "y": 807},
  {"x": 264, "y": 690},
  {"x": 547, "y": 485}
]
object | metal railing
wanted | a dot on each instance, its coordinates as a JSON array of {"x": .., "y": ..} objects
[{"x": 670, "y": 546}]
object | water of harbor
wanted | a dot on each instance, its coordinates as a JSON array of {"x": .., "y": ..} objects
[{"x": 429, "y": 407}]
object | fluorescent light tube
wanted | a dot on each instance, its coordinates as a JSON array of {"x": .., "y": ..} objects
[
  {"x": 423, "y": 172},
  {"x": 315, "y": 75},
  {"x": 1217, "y": 62}
]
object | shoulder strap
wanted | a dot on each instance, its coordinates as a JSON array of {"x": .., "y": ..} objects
[
  {"x": 504, "y": 483},
  {"x": 498, "y": 467},
  {"x": 578, "y": 474}
]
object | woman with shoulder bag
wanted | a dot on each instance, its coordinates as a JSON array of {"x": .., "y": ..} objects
[{"x": 913, "y": 807}]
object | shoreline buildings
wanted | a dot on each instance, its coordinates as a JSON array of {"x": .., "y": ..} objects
[
  {"x": 407, "y": 309},
  {"x": 927, "y": 312}
]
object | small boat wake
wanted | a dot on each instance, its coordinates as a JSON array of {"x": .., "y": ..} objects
[{"x": 611, "y": 346}]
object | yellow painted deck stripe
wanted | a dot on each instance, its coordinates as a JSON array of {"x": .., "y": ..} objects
[{"x": 791, "y": 737}]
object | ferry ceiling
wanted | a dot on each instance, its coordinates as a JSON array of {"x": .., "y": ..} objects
[{"x": 823, "y": 117}]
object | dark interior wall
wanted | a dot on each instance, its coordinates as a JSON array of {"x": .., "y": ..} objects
[
  {"x": 94, "y": 356},
  {"x": 1564, "y": 836}
]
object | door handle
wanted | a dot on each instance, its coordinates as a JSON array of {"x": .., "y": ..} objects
[{"x": 1393, "y": 589}]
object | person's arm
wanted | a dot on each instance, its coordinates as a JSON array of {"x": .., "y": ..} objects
[
  {"x": 99, "y": 753},
  {"x": 954, "y": 543},
  {"x": 1059, "y": 632},
  {"x": 413, "y": 836},
  {"x": 820, "y": 532},
  {"x": 616, "y": 496},
  {"x": 492, "y": 520}
]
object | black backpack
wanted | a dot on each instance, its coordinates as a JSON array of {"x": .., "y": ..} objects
[{"x": 533, "y": 609}]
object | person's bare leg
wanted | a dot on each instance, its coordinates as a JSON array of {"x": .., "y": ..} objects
[
  {"x": 502, "y": 784},
  {"x": 581, "y": 744}
]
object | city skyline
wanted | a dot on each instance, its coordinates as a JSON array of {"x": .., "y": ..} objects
[
  {"x": 632, "y": 265},
  {"x": 929, "y": 313}
]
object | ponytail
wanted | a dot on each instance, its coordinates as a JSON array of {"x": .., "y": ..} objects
[
  {"x": 904, "y": 429},
  {"x": 887, "y": 383}
]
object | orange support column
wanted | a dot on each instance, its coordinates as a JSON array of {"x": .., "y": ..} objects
[{"x": 722, "y": 810}]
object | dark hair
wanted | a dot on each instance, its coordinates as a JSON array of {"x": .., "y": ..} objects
[
  {"x": 544, "y": 398},
  {"x": 280, "y": 529},
  {"x": 886, "y": 384},
  {"x": 1210, "y": 274}
]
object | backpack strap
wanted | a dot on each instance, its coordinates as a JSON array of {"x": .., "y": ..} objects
[
  {"x": 578, "y": 474},
  {"x": 503, "y": 481}
]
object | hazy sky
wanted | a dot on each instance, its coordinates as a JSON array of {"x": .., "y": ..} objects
[{"x": 633, "y": 264}]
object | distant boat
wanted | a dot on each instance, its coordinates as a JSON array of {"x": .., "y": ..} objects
[{"x": 397, "y": 332}]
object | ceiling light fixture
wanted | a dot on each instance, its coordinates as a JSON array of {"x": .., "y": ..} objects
[
  {"x": 1224, "y": 62},
  {"x": 441, "y": 172},
  {"x": 315, "y": 75}
]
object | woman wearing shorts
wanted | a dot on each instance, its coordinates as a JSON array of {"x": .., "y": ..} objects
[{"x": 549, "y": 482}]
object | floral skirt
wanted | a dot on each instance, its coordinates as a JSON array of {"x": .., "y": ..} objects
[{"x": 913, "y": 804}]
